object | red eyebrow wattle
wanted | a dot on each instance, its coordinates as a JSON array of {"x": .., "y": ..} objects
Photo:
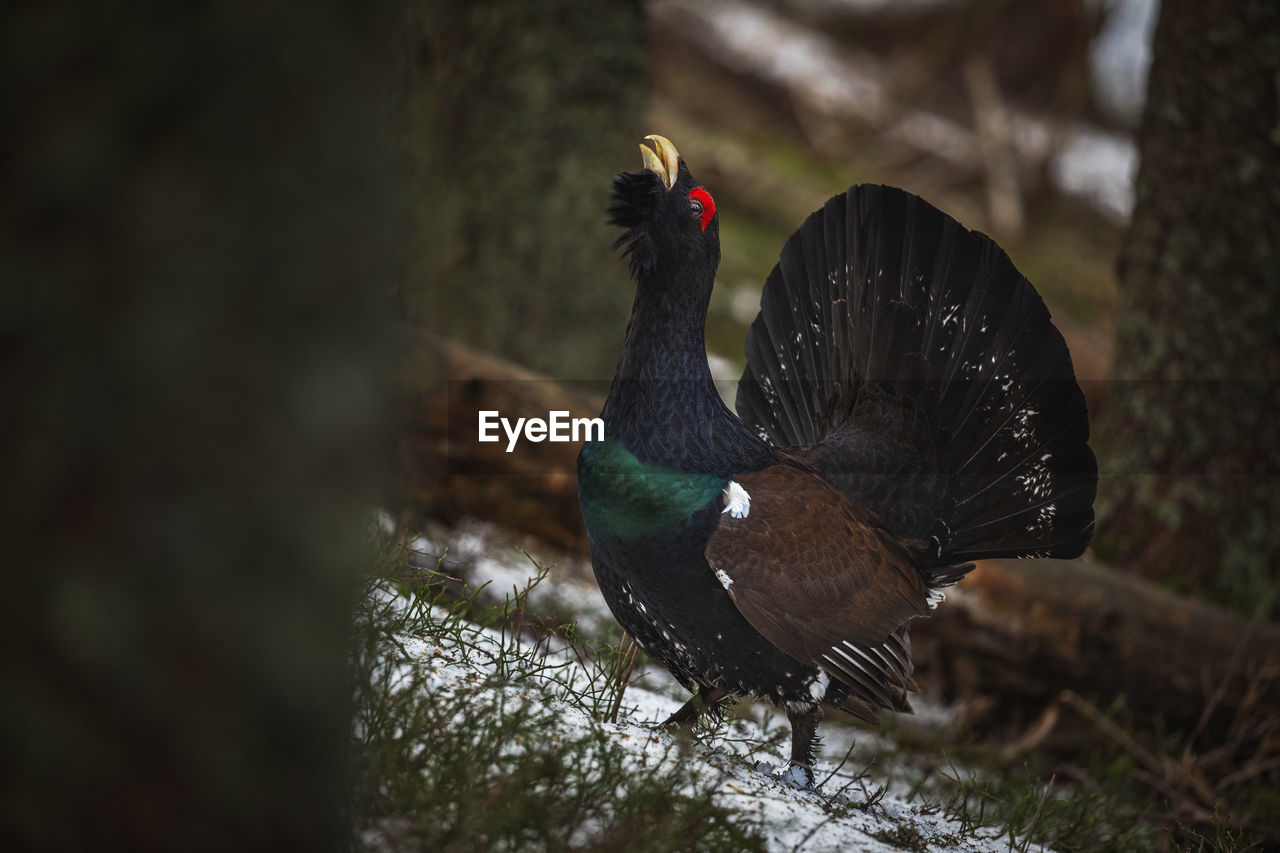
[{"x": 708, "y": 205}]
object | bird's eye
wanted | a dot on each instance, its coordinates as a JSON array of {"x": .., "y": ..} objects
[{"x": 702, "y": 206}]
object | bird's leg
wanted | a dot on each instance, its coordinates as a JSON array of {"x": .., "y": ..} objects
[
  {"x": 706, "y": 697},
  {"x": 804, "y": 739}
]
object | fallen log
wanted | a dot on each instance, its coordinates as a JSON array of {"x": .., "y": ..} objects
[
  {"x": 1020, "y": 630},
  {"x": 445, "y": 472},
  {"x": 1030, "y": 628}
]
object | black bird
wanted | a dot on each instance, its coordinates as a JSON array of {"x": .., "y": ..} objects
[{"x": 907, "y": 407}]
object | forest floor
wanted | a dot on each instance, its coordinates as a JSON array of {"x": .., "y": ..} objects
[
  {"x": 495, "y": 709},
  {"x": 533, "y": 657}
]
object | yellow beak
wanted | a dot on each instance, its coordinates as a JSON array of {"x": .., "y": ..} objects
[{"x": 661, "y": 158}]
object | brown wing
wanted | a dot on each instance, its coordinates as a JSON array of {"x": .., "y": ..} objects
[{"x": 821, "y": 584}]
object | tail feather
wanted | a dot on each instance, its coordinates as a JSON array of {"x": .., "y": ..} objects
[
  {"x": 781, "y": 366},
  {"x": 907, "y": 360}
]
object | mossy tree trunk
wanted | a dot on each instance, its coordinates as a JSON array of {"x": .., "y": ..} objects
[
  {"x": 518, "y": 115},
  {"x": 1190, "y": 431}
]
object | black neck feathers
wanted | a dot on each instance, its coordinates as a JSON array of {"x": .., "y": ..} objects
[{"x": 663, "y": 405}]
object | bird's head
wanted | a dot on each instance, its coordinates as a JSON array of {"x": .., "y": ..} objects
[{"x": 670, "y": 220}]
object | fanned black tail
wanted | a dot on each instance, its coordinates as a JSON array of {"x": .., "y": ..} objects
[{"x": 908, "y": 361}]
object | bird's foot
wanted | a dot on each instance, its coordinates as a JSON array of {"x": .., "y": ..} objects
[
  {"x": 706, "y": 699},
  {"x": 685, "y": 716},
  {"x": 799, "y": 776}
]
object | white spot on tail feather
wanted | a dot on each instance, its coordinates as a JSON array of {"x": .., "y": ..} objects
[
  {"x": 936, "y": 597},
  {"x": 736, "y": 502}
]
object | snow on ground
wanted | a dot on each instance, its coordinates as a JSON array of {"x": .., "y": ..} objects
[
  {"x": 469, "y": 550},
  {"x": 848, "y": 813}
]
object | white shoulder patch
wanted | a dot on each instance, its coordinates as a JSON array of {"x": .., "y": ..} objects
[
  {"x": 723, "y": 577},
  {"x": 736, "y": 501}
]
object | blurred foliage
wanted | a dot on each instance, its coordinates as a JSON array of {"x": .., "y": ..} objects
[
  {"x": 517, "y": 116},
  {"x": 194, "y": 254}
]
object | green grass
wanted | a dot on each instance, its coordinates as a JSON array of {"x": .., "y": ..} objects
[{"x": 488, "y": 764}]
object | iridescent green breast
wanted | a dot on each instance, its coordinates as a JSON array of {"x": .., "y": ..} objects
[{"x": 624, "y": 498}]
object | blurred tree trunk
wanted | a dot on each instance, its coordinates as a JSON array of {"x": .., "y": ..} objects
[
  {"x": 1190, "y": 431},
  {"x": 195, "y": 216},
  {"x": 517, "y": 116}
]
